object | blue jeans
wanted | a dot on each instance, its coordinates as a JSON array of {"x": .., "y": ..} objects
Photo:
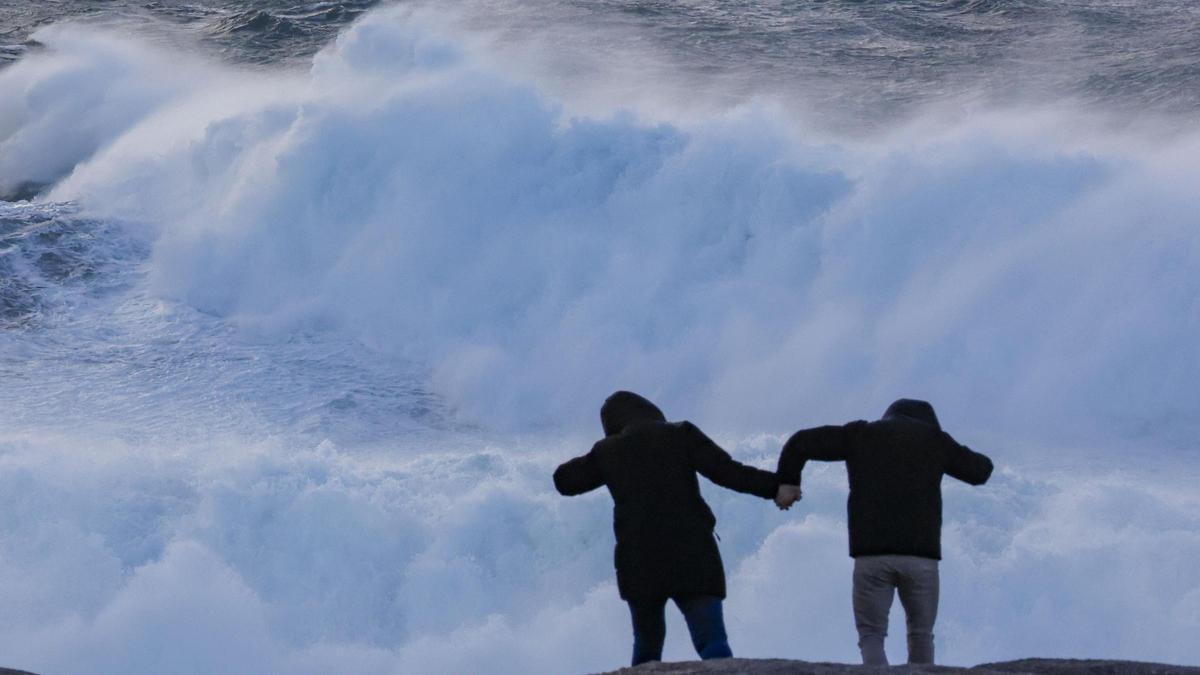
[{"x": 705, "y": 622}]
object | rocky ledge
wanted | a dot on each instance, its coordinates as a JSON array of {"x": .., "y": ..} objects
[{"x": 786, "y": 667}]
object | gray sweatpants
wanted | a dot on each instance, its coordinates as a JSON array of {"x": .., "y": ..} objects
[{"x": 876, "y": 580}]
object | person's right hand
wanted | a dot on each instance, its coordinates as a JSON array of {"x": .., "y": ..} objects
[{"x": 787, "y": 495}]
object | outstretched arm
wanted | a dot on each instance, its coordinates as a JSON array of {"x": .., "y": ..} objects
[
  {"x": 826, "y": 444},
  {"x": 965, "y": 464},
  {"x": 578, "y": 476},
  {"x": 716, "y": 465}
]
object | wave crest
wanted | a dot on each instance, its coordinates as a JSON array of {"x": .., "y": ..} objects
[{"x": 1025, "y": 269}]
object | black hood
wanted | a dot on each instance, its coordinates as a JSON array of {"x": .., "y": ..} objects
[
  {"x": 624, "y": 408},
  {"x": 911, "y": 408}
]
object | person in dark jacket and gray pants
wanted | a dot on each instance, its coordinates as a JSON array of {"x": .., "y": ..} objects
[
  {"x": 895, "y": 466},
  {"x": 664, "y": 529}
]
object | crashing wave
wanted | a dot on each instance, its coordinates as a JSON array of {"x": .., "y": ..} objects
[
  {"x": 409, "y": 193},
  {"x": 165, "y": 473}
]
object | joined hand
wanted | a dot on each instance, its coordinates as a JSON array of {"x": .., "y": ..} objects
[{"x": 786, "y": 496}]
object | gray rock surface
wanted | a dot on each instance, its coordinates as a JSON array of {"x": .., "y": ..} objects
[
  {"x": 13, "y": 671},
  {"x": 786, "y": 667},
  {"x": 1085, "y": 667}
]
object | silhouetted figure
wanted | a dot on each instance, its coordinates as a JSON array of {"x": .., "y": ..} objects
[
  {"x": 665, "y": 546},
  {"x": 895, "y": 466}
]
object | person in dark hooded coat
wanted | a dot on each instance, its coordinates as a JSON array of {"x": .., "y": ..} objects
[
  {"x": 664, "y": 529},
  {"x": 895, "y": 466}
]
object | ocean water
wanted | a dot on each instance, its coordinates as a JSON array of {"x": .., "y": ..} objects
[{"x": 301, "y": 304}]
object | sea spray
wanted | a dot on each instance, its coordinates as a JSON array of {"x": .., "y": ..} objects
[
  {"x": 413, "y": 196},
  {"x": 232, "y": 451}
]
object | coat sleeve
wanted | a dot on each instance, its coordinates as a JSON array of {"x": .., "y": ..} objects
[
  {"x": 965, "y": 464},
  {"x": 825, "y": 444},
  {"x": 578, "y": 475},
  {"x": 712, "y": 462}
]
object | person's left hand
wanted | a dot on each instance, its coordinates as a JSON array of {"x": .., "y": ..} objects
[{"x": 786, "y": 496}]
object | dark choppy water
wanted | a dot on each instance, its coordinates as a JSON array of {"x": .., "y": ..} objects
[
  {"x": 875, "y": 59},
  {"x": 862, "y": 59},
  {"x": 248, "y": 32}
]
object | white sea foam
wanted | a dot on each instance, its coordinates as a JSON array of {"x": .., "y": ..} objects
[
  {"x": 1023, "y": 272},
  {"x": 262, "y": 557},
  {"x": 1032, "y": 275}
]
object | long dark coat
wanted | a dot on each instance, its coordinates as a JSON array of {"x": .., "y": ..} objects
[
  {"x": 664, "y": 529},
  {"x": 895, "y": 466}
]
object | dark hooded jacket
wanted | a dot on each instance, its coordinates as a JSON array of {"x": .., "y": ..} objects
[
  {"x": 664, "y": 528},
  {"x": 895, "y": 466}
]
